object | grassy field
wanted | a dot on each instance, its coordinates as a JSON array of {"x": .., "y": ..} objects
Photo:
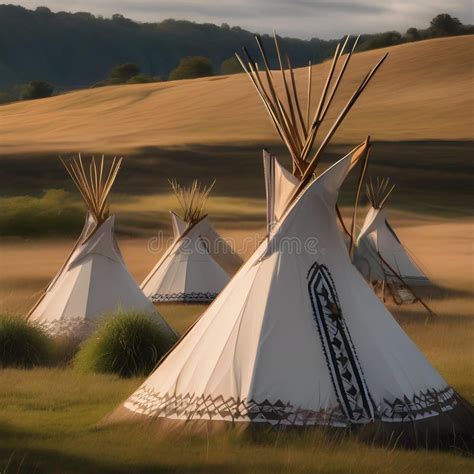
[
  {"x": 422, "y": 92},
  {"x": 48, "y": 423},
  {"x": 48, "y": 420},
  {"x": 442, "y": 247},
  {"x": 419, "y": 112},
  {"x": 48, "y": 417}
]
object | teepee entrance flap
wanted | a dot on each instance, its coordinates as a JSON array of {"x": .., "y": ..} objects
[
  {"x": 279, "y": 185},
  {"x": 179, "y": 226}
]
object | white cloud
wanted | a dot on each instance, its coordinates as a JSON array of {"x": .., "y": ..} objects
[{"x": 299, "y": 18}]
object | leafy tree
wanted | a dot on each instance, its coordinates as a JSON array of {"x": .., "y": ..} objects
[
  {"x": 123, "y": 21},
  {"x": 444, "y": 24},
  {"x": 11, "y": 94},
  {"x": 231, "y": 66},
  {"x": 84, "y": 15},
  {"x": 123, "y": 72},
  {"x": 107, "y": 82},
  {"x": 76, "y": 49},
  {"x": 37, "y": 90},
  {"x": 382, "y": 40},
  {"x": 142, "y": 79},
  {"x": 5, "y": 97},
  {"x": 412, "y": 34},
  {"x": 192, "y": 67},
  {"x": 43, "y": 10},
  {"x": 128, "y": 73}
]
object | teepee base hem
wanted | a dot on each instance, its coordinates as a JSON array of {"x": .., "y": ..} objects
[{"x": 453, "y": 429}]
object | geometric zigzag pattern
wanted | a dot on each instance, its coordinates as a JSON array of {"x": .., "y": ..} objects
[
  {"x": 189, "y": 406},
  {"x": 192, "y": 297},
  {"x": 341, "y": 357},
  {"x": 427, "y": 403}
]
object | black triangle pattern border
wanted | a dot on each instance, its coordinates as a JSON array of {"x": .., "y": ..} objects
[
  {"x": 147, "y": 401},
  {"x": 190, "y": 407},
  {"x": 192, "y": 297}
]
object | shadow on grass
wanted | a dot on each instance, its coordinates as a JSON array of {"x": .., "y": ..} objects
[
  {"x": 431, "y": 176},
  {"x": 432, "y": 295},
  {"x": 16, "y": 457},
  {"x": 50, "y": 461},
  {"x": 440, "y": 292}
]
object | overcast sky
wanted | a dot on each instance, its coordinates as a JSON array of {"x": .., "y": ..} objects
[{"x": 298, "y": 18}]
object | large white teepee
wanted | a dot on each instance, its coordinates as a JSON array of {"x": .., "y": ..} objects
[
  {"x": 379, "y": 254},
  {"x": 298, "y": 338},
  {"x": 94, "y": 279},
  {"x": 195, "y": 267}
]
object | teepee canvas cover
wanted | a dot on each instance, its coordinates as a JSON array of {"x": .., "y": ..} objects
[
  {"x": 298, "y": 338},
  {"x": 94, "y": 279},
  {"x": 380, "y": 256},
  {"x": 192, "y": 269}
]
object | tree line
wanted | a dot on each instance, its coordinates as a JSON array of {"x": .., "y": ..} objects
[{"x": 39, "y": 48}]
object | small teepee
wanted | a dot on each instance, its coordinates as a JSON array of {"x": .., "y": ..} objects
[
  {"x": 380, "y": 256},
  {"x": 298, "y": 338},
  {"x": 94, "y": 279},
  {"x": 195, "y": 267}
]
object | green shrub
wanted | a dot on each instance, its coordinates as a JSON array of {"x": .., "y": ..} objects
[
  {"x": 54, "y": 213},
  {"x": 231, "y": 66},
  {"x": 21, "y": 344},
  {"x": 382, "y": 40},
  {"x": 192, "y": 67},
  {"x": 37, "y": 90},
  {"x": 124, "y": 72},
  {"x": 107, "y": 82},
  {"x": 127, "y": 344},
  {"x": 143, "y": 79}
]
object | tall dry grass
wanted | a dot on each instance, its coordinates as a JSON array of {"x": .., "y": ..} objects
[
  {"x": 48, "y": 416},
  {"x": 48, "y": 424},
  {"x": 411, "y": 98}
]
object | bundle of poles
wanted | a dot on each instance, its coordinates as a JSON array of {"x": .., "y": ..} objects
[
  {"x": 192, "y": 199},
  {"x": 378, "y": 191},
  {"x": 95, "y": 184},
  {"x": 298, "y": 131}
]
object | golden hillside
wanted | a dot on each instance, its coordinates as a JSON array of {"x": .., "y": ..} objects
[{"x": 423, "y": 91}]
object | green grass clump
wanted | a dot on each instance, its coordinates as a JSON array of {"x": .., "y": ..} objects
[
  {"x": 53, "y": 213},
  {"x": 21, "y": 344},
  {"x": 127, "y": 344}
]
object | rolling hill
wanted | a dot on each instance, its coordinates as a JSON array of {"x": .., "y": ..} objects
[{"x": 423, "y": 92}]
